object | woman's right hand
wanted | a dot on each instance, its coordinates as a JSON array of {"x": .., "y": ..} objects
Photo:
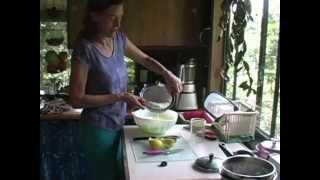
[{"x": 133, "y": 101}]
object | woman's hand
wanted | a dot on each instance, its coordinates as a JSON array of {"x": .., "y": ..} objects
[
  {"x": 133, "y": 101},
  {"x": 174, "y": 84}
]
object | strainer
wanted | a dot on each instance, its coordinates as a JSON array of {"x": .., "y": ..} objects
[{"x": 157, "y": 97}]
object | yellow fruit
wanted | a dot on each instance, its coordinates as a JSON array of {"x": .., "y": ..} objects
[
  {"x": 155, "y": 143},
  {"x": 168, "y": 142}
]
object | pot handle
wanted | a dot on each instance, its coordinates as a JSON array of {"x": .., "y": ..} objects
[
  {"x": 245, "y": 152},
  {"x": 225, "y": 150},
  {"x": 275, "y": 176}
]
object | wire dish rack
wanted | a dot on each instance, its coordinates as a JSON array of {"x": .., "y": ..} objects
[{"x": 234, "y": 126}]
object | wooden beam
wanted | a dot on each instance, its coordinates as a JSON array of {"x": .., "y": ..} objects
[
  {"x": 262, "y": 57},
  {"x": 216, "y": 60},
  {"x": 276, "y": 94}
]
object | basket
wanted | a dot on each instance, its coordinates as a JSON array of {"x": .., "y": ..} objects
[{"x": 234, "y": 126}]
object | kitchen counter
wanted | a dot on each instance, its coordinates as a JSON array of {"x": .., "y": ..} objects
[
  {"x": 175, "y": 169},
  {"x": 73, "y": 114}
]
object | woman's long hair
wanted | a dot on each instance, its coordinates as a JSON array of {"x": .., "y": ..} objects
[{"x": 90, "y": 27}]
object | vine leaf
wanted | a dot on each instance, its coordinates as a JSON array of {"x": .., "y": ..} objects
[
  {"x": 239, "y": 69},
  {"x": 251, "y": 80},
  {"x": 250, "y": 18},
  {"x": 249, "y": 92},
  {"x": 244, "y": 85},
  {"x": 246, "y": 66}
]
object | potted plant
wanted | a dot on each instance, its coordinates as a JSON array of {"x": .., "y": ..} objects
[{"x": 233, "y": 22}]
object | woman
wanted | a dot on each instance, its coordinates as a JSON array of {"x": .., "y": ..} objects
[{"x": 98, "y": 84}]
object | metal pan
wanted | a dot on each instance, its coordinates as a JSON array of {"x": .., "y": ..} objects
[{"x": 246, "y": 167}]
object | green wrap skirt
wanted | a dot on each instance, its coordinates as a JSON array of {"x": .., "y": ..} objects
[{"x": 103, "y": 149}]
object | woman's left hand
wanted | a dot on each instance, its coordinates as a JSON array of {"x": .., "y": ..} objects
[{"x": 173, "y": 83}]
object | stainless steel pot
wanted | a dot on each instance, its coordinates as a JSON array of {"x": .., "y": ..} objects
[{"x": 246, "y": 167}]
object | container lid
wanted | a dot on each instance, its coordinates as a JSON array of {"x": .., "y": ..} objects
[
  {"x": 216, "y": 104},
  {"x": 157, "y": 97},
  {"x": 209, "y": 164}
]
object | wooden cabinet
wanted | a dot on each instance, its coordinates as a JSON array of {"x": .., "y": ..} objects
[
  {"x": 162, "y": 22},
  {"x": 76, "y": 12},
  {"x": 151, "y": 23}
]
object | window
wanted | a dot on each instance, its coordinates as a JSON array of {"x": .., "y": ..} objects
[
  {"x": 262, "y": 37},
  {"x": 131, "y": 74}
]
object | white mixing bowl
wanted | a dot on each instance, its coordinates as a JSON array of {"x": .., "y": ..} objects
[{"x": 155, "y": 123}]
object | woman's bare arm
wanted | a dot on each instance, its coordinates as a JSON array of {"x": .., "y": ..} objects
[{"x": 132, "y": 51}]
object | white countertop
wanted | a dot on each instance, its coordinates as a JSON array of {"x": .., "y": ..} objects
[{"x": 177, "y": 170}]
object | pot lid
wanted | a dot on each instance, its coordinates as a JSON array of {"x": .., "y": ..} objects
[
  {"x": 157, "y": 97},
  {"x": 209, "y": 163},
  {"x": 271, "y": 145},
  {"x": 216, "y": 104}
]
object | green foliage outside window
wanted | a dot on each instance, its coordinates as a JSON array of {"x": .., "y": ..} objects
[{"x": 252, "y": 36}]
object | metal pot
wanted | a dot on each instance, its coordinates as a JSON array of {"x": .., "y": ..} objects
[{"x": 246, "y": 167}]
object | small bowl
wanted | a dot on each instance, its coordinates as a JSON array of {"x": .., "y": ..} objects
[{"x": 155, "y": 124}]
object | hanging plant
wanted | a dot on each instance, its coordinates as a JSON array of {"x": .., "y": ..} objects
[
  {"x": 55, "y": 37},
  {"x": 233, "y": 22},
  {"x": 55, "y": 41}
]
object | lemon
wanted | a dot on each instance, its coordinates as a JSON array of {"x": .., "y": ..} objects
[
  {"x": 155, "y": 143},
  {"x": 168, "y": 142}
]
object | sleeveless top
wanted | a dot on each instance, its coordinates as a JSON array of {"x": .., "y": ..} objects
[{"x": 107, "y": 75}]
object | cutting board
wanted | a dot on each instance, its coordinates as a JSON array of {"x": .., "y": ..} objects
[{"x": 140, "y": 146}]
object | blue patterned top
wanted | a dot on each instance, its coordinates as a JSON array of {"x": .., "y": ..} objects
[{"x": 107, "y": 75}]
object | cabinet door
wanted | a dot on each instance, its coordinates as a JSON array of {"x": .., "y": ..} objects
[
  {"x": 150, "y": 22},
  {"x": 76, "y": 12},
  {"x": 162, "y": 22}
]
